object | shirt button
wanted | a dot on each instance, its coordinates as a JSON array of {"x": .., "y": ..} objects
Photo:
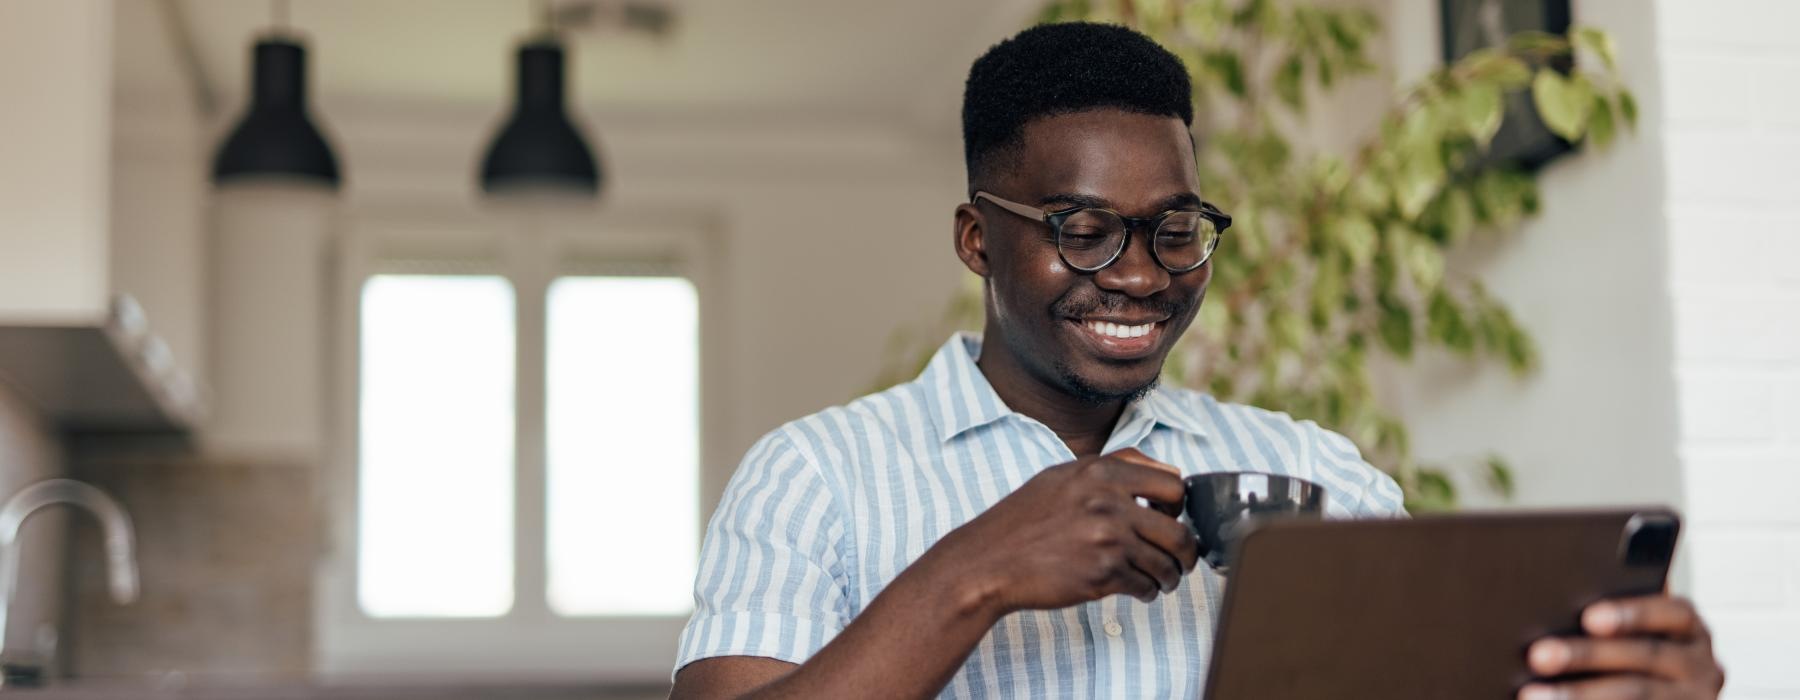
[{"x": 1113, "y": 628}]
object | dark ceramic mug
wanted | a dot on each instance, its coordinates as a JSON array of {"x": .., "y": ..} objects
[{"x": 1222, "y": 507}]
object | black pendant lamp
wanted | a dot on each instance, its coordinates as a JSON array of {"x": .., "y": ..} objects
[
  {"x": 539, "y": 148},
  {"x": 276, "y": 137}
]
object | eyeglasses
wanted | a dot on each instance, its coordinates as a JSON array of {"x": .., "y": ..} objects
[{"x": 1091, "y": 238}]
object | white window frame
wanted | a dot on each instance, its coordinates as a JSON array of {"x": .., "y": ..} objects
[{"x": 531, "y": 246}]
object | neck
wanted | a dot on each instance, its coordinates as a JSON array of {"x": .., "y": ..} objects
[{"x": 1082, "y": 425}]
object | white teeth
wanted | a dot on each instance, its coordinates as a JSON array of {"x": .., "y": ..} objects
[{"x": 1118, "y": 331}]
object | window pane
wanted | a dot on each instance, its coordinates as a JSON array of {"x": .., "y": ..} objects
[
  {"x": 623, "y": 472},
  {"x": 435, "y": 502}
]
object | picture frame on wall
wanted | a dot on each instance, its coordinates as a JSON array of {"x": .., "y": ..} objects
[{"x": 1523, "y": 141}]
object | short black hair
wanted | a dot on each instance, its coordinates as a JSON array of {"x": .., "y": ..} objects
[{"x": 1054, "y": 69}]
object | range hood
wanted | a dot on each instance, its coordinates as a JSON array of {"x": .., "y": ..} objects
[{"x": 110, "y": 375}]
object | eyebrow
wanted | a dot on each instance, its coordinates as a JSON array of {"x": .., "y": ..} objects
[{"x": 1183, "y": 200}]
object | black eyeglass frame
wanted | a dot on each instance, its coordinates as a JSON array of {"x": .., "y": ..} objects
[{"x": 1055, "y": 219}]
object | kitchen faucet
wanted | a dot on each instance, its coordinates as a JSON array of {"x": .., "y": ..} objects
[{"x": 122, "y": 573}]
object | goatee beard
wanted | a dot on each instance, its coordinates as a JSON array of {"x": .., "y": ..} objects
[{"x": 1091, "y": 395}]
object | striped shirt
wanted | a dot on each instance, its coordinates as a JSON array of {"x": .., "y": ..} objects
[{"x": 827, "y": 510}]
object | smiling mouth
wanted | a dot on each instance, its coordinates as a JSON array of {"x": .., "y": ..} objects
[
  {"x": 1121, "y": 340},
  {"x": 1120, "y": 330}
]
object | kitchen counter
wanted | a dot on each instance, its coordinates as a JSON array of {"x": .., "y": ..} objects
[{"x": 133, "y": 690}]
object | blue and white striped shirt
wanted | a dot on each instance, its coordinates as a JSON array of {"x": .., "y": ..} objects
[{"x": 827, "y": 510}]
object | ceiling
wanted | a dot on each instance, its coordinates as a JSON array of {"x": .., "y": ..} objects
[{"x": 894, "y": 59}]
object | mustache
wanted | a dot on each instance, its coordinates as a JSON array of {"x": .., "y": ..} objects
[{"x": 1078, "y": 303}]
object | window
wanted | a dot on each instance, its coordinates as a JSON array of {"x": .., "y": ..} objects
[
  {"x": 519, "y": 473},
  {"x": 435, "y": 483},
  {"x": 618, "y": 543}
]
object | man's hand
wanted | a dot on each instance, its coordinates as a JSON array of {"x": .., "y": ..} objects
[
  {"x": 1649, "y": 647},
  {"x": 1074, "y": 533}
]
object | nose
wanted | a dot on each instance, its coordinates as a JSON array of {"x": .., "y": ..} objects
[{"x": 1136, "y": 273}]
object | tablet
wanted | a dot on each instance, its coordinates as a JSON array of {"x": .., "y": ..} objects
[{"x": 1434, "y": 607}]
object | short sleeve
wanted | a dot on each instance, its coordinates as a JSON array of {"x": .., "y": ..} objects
[
  {"x": 771, "y": 582},
  {"x": 1362, "y": 490}
]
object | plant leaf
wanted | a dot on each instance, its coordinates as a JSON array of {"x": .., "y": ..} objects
[
  {"x": 1563, "y": 103},
  {"x": 1358, "y": 238},
  {"x": 1396, "y": 330},
  {"x": 1600, "y": 123},
  {"x": 1495, "y": 66},
  {"x": 1628, "y": 108},
  {"x": 1369, "y": 192},
  {"x": 1444, "y": 322},
  {"x": 1434, "y": 490},
  {"x": 1288, "y": 330},
  {"x": 1600, "y": 43},
  {"x": 1535, "y": 41},
  {"x": 1459, "y": 214},
  {"x": 1423, "y": 261},
  {"x": 1253, "y": 13},
  {"x": 1150, "y": 10},
  {"x": 1327, "y": 294},
  {"x": 1500, "y": 476},
  {"x": 1203, "y": 20},
  {"x": 1482, "y": 107},
  {"x": 1215, "y": 320},
  {"x": 1288, "y": 82},
  {"x": 1230, "y": 70},
  {"x": 1420, "y": 178}
]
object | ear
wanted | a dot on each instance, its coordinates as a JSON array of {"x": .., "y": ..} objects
[{"x": 971, "y": 246}]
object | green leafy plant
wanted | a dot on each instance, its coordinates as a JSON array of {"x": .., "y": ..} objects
[{"x": 1333, "y": 258}]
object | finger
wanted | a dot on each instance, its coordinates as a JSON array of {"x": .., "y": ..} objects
[
  {"x": 1605, "y": 688},
  {"x": 1125, "y": 577},
  {"x": 1172, "y": 510},
  {"x": 1654, "y": 614},
  {"x": 1159, "y": 484},
  {"x": 1173, "y": 537},
  {"x": 1155, "y": 563},
  {"x": 1136, "y": 456},
  {"x": 1649, "y": 656}
]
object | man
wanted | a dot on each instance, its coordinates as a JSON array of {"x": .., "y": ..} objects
[{"x": 983, "y": 530}]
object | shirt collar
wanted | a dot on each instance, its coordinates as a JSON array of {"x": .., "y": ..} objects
[
  {"x": 1165, "y": 407},
  {"x": 961, "y": 399},
  {"x": 959, "y": 395}
]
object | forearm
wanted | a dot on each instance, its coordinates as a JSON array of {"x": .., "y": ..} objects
[{"x": 908, "y": 643}]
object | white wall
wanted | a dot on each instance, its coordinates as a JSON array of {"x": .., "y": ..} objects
[
  {"x": 1732, "y": 132},
  {"x": 833, "y": 232},
  {"x": 1587, "y": 278},
  {"x": 1659, "y": 285},
  {"x": 824, "y": 235}
]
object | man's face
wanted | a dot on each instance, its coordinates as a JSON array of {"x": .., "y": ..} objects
[{"x": 1054, "y": 319}]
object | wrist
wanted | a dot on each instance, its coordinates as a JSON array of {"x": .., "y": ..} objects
[{"x": 967, "y": 591}]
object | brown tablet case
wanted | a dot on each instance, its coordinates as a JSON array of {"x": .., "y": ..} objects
[{"x": 1435, "y": 607}]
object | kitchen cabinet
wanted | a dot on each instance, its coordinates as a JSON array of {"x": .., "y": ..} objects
[{"x": 102, "y": 201}]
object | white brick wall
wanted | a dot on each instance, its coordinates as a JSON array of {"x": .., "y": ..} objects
[{"x": 1730, "y": 122}]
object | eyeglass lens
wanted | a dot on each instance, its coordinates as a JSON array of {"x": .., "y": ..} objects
[{"x": 1091, "y": 238}]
